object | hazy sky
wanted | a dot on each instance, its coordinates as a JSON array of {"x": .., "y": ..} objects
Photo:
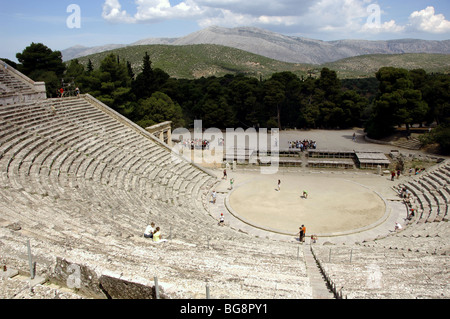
[{"x": 60, "y": 24}]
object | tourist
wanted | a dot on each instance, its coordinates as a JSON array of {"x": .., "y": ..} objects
[
  {"x": 279, "y": 185},
  {"x": 148, "y": 233},
  {"x": 231, "y": 183},
  {"x": 221, "y": 220},
  {"x": 157, "y": 236},
  {"x": 398, "y": 226},
  {"x": 196, "y": 144},
  {"x": 224, "y": 174},
  {"x": 411, "y": 215},
  {"x": 300, "y": 234},
  {"x": 305, "y": 194},
  {"x": 302, "y": 145},
  {"x": 214, "y": 195},
  {"x": 407, "y": 201},
  {"x": 392, "y": 175}
]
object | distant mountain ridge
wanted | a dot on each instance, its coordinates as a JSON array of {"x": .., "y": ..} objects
[{"x": 281, "y": 47}]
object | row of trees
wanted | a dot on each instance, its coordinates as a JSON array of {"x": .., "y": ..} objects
[
  {"x": 400, "y": 97},
  {"x": 412, "y": 97},
  {"x": 407, "y": 98},
  {"x": 282, "y": 101}
]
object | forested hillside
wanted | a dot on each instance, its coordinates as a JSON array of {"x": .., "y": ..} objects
[{"x": 204, "y": 60}]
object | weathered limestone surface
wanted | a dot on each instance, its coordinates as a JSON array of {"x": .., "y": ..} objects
[{"x": 81, "y": 183}]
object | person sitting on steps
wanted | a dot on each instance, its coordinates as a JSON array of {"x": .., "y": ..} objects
[
  {"x": 148, "y": 233},
  {"x": 221, "y": 220},
  {"x": 157, "y": 236}
]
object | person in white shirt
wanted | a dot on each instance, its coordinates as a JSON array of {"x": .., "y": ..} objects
[{"x": 148, "y": 233}]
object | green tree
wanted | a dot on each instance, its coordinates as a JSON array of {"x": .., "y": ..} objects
[
  {"x": 289, "y": 105},
  {"x": 90, "y": 67},
  {"x": 308, "y": 109},
  {"x": 74, "y": 71},
  {"x": 115, "y": 83},
  {"x": 158, "y": 108},
  {"x": 130, "y": 70},
  {"x": 143, "y": 86},
  {"x": 213, "y": 108},
  {"x": 328, "y": 90},
  {"x": 399, "y": 103},
  {"x": 38, "y": 57},
  {"x": 352, "y": 104},
  {"x": 245, "y": 100},
  {"x": 436, "y": 92},
  {"x": 40, "y": 63},
  {"x": 273, "y": 99}
]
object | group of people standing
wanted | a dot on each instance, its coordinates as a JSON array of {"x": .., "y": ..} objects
[
  {"x": 302, "y": 234},
  {"x": 60, "y": 93},
  {"x": 302, "y": 145},
  {"x": 196, "y": 144}
]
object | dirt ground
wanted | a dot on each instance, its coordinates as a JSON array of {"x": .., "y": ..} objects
[{"x": 334, "y": 203}]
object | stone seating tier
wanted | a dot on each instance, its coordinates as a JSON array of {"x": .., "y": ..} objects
[
  {"x": 430, "y": 194},
  {"x": 84, "y": 186},
  {"x": 17, "y": 88},
  {"x": 379, "y": 273}
]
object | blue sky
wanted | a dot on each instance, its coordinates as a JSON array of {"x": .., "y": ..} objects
[{"x": 126, "y": 21}]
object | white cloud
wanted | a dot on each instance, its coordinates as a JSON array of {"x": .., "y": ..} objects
[
  {"x": 223, "y": 12},
  {"x": 338, "y": 18},
  {"x": 227, "y": 18},
  {"x": 427, "y": 20},
  {"x": 386, "y": 27},
  {"x": 258, "y": 8},
  {"x": 151, "y": 10},
  {"x": 112, "y": 11}
]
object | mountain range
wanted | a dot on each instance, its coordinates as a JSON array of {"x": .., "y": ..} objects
[{"x": 280, "y": 47}]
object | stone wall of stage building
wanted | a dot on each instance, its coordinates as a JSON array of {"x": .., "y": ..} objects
[{"x": 162, "y": 131}]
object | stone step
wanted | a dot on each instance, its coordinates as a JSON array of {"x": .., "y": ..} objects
[{"x": 318, "y": 283}]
